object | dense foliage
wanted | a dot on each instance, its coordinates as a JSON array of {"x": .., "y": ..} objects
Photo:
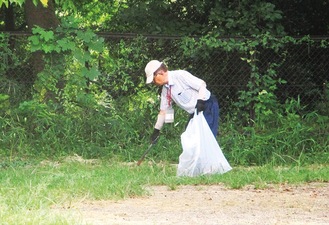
[{"x": 90, "y": 97}]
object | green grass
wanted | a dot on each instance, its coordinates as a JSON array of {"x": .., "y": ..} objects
[{"x": 29, "y": 189}]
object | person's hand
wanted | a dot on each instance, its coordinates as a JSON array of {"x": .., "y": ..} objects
[
  {"x": 154, "y": 136},
  {"x": 200, "y": 106}
]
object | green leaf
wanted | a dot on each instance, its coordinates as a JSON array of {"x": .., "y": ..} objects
[
  {"x": 82, "y": 57},
  {"x": 86, "y": 36},
  {"x": 66, "y": 44},
  {"x": 93, "y": 73},
  {"x": 47, "y": 35},
  {"x": 90, "y": 74},
  {"x": 47, "y": 48},
  {"x": 4, "y": 2},
  {"x": 34, "y": 40},
  {"x": 97, "y": 45},
  {"x": 44, "y": 2},
  {"x": 35, "y": 48},
  {"x": 37, "y": 30}
]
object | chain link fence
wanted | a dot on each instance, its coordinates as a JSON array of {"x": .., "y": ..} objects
[{"x": 304, "y": 67}]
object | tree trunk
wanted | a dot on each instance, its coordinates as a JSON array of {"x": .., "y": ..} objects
[
  {"x": 44, "y": 17},
  {"x": 9, "y": 18}
]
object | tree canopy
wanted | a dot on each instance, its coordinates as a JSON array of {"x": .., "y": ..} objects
[
  {"x": 20, "y": 2},
  {"x": 185, "y": 17}
]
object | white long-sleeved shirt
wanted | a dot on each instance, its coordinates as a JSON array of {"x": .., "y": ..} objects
[{"x": 185, "y": 90}]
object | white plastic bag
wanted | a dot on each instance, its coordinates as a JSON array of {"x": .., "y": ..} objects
[{"x": 201, "y": 153}]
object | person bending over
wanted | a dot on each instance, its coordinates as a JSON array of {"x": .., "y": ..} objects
[{"x": 188, "y": 92}]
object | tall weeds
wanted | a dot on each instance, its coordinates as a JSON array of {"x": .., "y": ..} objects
[{"x": 283, "y": 138}]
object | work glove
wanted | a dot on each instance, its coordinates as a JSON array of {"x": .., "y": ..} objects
[
  {"x": 200, "y": 106},
  {"x": 154, "y": 136}
]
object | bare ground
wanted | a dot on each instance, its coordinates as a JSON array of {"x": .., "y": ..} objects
[{"x": 307, "y": 204}]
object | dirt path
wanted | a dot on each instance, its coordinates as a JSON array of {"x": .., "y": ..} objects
[{"x": 213, "y": 205}]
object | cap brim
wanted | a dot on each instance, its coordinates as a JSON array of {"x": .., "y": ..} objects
[{"x": 149, "y": 79}]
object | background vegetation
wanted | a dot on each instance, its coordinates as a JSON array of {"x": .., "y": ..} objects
[{"x": 66, "y": 89}]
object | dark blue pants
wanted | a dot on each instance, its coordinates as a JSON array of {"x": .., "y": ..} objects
[{"x": 211, "y": 114}]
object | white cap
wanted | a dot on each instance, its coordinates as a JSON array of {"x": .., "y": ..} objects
[{"x": 150, "y": 68}]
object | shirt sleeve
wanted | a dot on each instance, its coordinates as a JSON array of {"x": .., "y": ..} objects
[{"x": 197, "y": 84}]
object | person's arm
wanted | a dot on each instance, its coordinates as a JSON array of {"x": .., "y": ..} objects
[
  {"x": 201, "y": 102},
  {"x": 195, "y": 83},
  {"x": 158, "y": 125},
  {"x": 202, "y": 91},
  {"x": 160, "y": 120}
]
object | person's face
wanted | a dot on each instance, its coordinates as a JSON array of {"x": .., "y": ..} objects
[{"x": 160, "y": 77}]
